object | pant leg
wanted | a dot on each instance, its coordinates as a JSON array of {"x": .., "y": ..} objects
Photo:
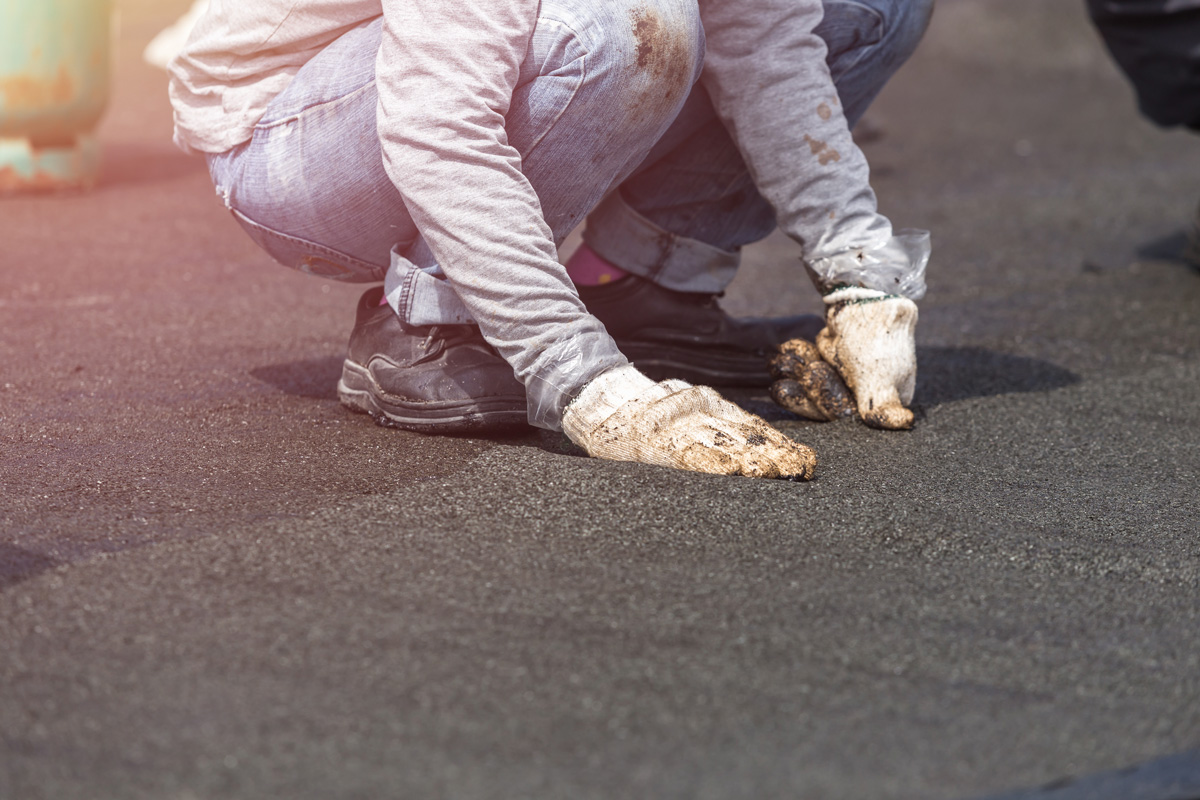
[
  {"x": 310, "y": 186},
  {"x": 683, "y": 216}
]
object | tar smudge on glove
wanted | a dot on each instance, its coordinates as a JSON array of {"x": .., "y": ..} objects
[
  {"x": 808, "y": 386},
  {"x": 869, "y": 343}
]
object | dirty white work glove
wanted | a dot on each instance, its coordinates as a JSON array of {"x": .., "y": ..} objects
[
  {"x": 624, "y": 416},
  {"x": 805, "y": 384},
  {"x": 869, "y": 338}
]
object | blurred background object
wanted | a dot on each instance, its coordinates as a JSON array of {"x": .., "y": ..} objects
[
  {"x": 55, "y": 66},
  {"x": 1157, "y": 45}
]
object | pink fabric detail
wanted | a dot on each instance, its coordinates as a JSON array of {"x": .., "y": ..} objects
[{"x": 588, "y": 269}]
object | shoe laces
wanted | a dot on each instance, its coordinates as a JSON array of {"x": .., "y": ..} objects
[
  {"x": 450, "y": 335},
  {"x": 437, "y": 333}
]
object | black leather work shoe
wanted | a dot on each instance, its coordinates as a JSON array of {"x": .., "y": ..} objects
[
  {"x": 437, "y": 379},
  {"x": 669, "y": 334}
]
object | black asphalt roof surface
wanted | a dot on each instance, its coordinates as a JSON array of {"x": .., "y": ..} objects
[{"x": 217, "y": 583}]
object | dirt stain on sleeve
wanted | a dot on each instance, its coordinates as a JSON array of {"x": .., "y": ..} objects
[
  {"x": 824, "y": 153},
  {"x": 824, "y": 111}
]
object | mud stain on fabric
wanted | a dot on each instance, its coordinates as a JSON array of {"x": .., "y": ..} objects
[
  {"x": 647, "y": 32},
  {"x": 802, "y": 350},
  {"x": 790, "y": 395},
  {"x": 824, "y": 153},
  {"x": 827, "y": 391},
  {"x": 663, "y": 59},
  {"x": 784, "y": 366}
]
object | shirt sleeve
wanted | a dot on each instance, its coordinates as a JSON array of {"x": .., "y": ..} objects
[
  {"x": 446, "y": 73},
  {"x": 766, "y": 72}
]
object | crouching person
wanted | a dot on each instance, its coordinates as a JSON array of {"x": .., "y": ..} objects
[{"x": 445, "y": 147}]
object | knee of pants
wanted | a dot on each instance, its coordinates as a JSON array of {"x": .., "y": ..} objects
[
  {"x": 648, "y": 53},
  {"x": 906, "y": 22}
]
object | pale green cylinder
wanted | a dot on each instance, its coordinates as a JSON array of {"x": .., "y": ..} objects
[{"x": 55, "y": 70}]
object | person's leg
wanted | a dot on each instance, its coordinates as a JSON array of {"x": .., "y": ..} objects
[
  {"x": 310, "y": 187},
  {"x": 680, "y": 221}
]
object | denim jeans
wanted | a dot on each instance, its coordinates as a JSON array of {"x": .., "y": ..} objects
[
  {"x": 310, "y": 187},
  {"x": 672, "y": 220}
]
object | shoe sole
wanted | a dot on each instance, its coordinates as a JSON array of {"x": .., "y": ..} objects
[
  {"x": 358, "y": 391},
  {"x": 661, "y": 362}
]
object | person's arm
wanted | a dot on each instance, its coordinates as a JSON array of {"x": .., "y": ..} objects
[
  {"x": 766, "y": 72},
  {"x": 446, "y": 73}
]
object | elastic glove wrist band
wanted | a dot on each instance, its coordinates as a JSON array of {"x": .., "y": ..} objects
[{"x": 853, "y": 294}]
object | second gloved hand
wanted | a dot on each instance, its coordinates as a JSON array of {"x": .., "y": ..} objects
[
  {"x": 869, "y": 338},
  {"x": 870, "y": 325}
]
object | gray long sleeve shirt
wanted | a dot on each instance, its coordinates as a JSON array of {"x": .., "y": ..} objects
[
  {"x": 445, "y": 73},
  {"x": 765, "y": 71}
]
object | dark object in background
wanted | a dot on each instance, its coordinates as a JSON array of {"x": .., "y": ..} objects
[
  {"x": 1191, "y": 252},
  {"x": 1157, "y": 45}
]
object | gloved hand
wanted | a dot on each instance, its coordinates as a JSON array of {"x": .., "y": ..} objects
[
  {"x": 871, "y": 343},
  {"x": 869, "y": 340},
  {"x": 624, "y": 416},
  {"x": 808, "y": 386}
]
